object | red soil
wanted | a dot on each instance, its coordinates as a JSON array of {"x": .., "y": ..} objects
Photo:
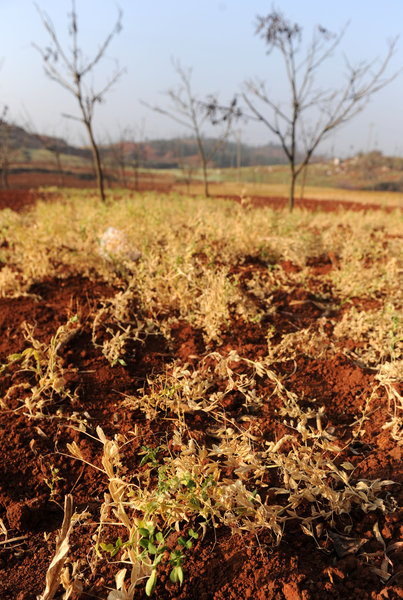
[
  {"x": 222, "y": 566},
  {"x": 309, "y": 204}
]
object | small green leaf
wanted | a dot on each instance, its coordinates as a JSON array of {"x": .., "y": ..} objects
[
  {"x": 151, "y": 548},
  {"x": 185, "y": 543},
  {"x": 144, "y": 532},
  {"x": 159, "y": 537},
  {"x": 151, "y": 583},
  {"x": 176, "y": 558},
  {"x": 193, "y": 534},
  {"x": 112, "y": 549},
  {"x": 158, "y": 558},
  {"x": 119, "y": 543},
  {"x": 176, "y": 575}
]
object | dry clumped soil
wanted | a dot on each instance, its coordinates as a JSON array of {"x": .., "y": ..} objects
[{"x": 37, "y": 472}]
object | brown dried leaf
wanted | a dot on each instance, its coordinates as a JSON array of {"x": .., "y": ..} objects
[
  {"x": 346, "y": 545},
  {"x": 62, "y": 549}
]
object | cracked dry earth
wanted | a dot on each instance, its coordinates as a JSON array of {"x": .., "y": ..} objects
[{"x": 36, "y": 471}]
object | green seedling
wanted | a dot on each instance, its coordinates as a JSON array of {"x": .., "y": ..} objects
[
  {"x": 150, "y": 455},
  {"x": 150, "y": 546},
  {"x": 153, "y": 544},
  {"x": 113, "y": 549},
  {"x": 52, "y": 481},
  {"x": 119, "y": 361},
  {"x": 24, "y": 358},
  {"x": 177, "y": 557}
]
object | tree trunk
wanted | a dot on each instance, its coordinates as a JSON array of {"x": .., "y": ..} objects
[
  {"x": 60, "y": 168},
  {"x": 203, "y": 162},
  {"x": 97, "y": 162},
  {"x": 99, "y": 172},
  {"x": 292, "y": 191},
  {"x": 205, "y": 179},
  {"x": 136, "y": 177}
]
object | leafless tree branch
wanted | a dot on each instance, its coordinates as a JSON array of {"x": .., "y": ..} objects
[
  {"x": 193, "y": 114},
  {"x": 69, "y": 69},
  {"x": 313, "y": 113}
]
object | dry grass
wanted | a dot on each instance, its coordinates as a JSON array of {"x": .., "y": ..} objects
[
  {"x": 189, "y": 249},
  {"x": 42, "y": 363},
  {"x": 191, "y": 484}
]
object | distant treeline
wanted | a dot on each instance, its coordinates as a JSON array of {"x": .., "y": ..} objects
[
  {"x": 177, "y": 152},
  {"x": 161, "y": 153}
]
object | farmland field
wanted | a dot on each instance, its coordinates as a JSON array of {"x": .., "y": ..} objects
[{"x": 199, "y": 398}]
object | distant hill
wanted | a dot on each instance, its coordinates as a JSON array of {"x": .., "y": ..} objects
[
  {"x": 30, "y": 159},
  {"x": 21, "y": 139},
  {"x": 160, "y": 153}
]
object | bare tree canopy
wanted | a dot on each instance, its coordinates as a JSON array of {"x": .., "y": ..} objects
[
  {"x": 70, "y": 68},
  {"x": 193, "y": 114},
  {"x": 311, "y": 112}
]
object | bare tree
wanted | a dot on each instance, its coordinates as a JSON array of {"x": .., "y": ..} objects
[
  {"x": 56, "y": 149},
  {"x": 187, "y": 110},
  {"x": 116, "y": 154},
  {"x": 128, "y": 155},
  {"x": 187, "y": 164},
  {"x": 312, "y": 112},
  {"x": 5, "y": 148},
  {"x": 71, "y": 69},
  {"x": 138, "y": 155}
]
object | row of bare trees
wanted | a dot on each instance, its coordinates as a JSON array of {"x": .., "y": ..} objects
[{"x": 300, "y": 124}]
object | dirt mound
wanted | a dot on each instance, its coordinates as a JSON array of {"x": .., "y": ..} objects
[{"x": 17, "y": 200}]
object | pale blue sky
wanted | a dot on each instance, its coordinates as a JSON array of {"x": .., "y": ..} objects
[{"x": 214, "y": 37}]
